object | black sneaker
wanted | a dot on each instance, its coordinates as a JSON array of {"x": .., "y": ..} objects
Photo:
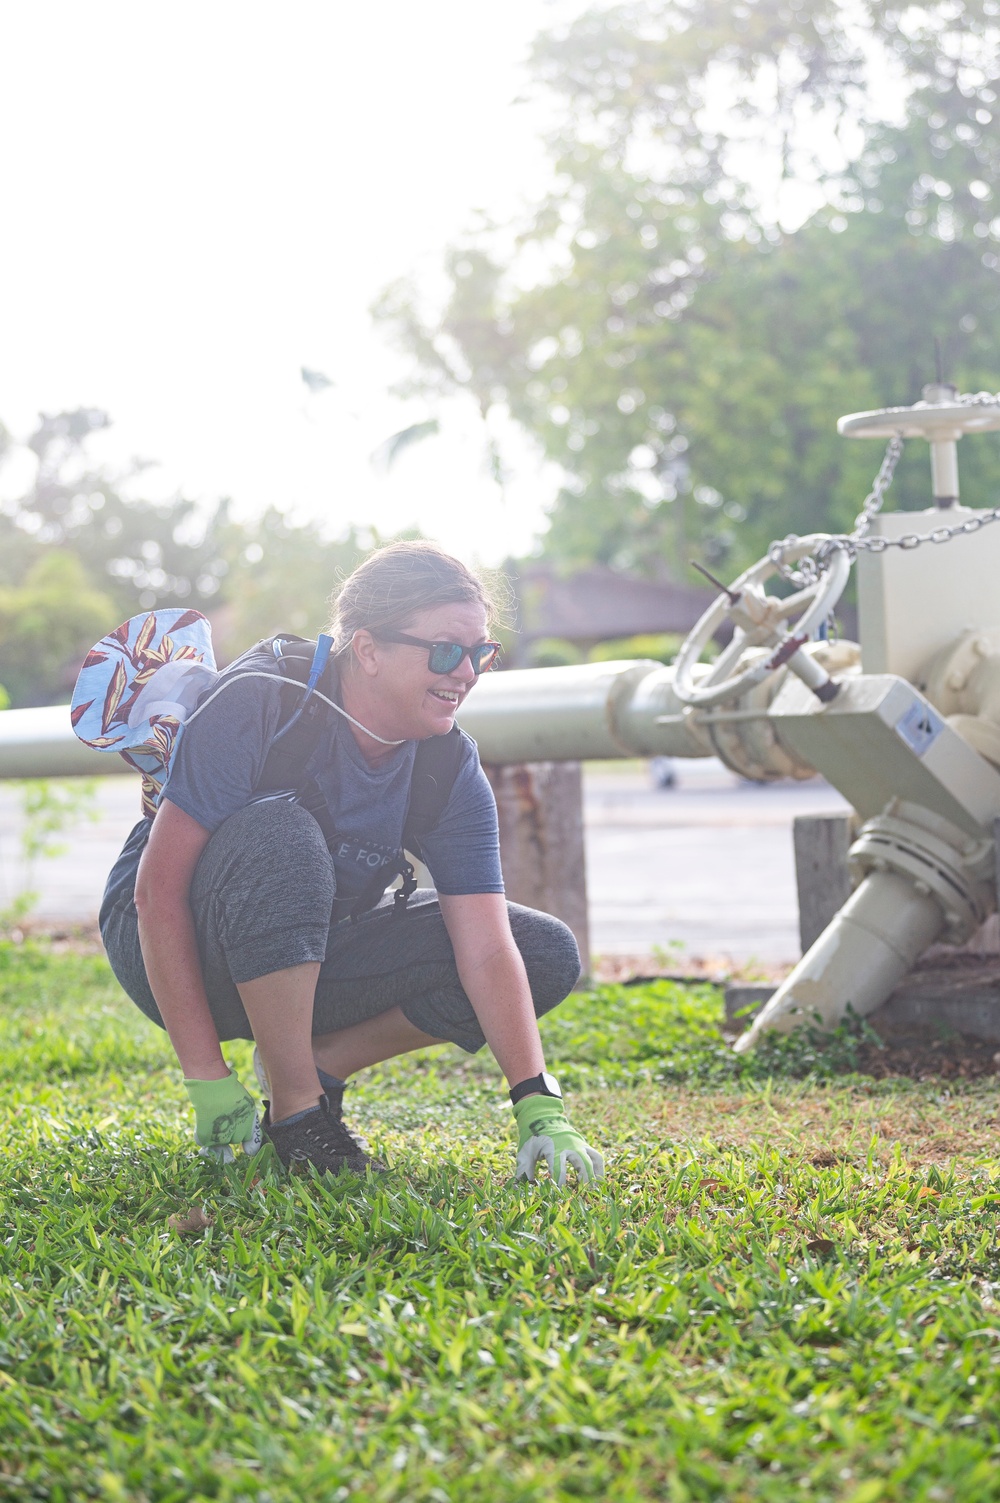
[
  {"x": 321, "y": 1139},
  {"x": 334, "y": 1094}
]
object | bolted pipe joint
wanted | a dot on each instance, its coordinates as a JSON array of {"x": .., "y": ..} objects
[
  {"x": 920, "y": 879},
  {"x": 921, "y": 846}
]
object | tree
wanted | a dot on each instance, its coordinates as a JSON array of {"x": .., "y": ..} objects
[
  {"x": 79, "y": 550},
  {"x": 141, "y": 553},
  {"x": 46, "y": 624},
  {"x": 282, "y": 576},
  {"x": 668, "y": 330}
]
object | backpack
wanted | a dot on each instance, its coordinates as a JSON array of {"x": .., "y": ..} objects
[{"x": 144, "y": 682}]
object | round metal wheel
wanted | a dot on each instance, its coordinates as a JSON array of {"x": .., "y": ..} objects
[{"x": 761, "y": 620}]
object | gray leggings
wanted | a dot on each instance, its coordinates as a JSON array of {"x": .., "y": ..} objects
[{"x": 262, "y": 895}]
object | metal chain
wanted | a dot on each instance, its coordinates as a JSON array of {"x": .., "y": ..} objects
[
  {"x": 914, "y": 539},
  {"x": 873, "y": 501},
  {"x": 808, "y": 570}
]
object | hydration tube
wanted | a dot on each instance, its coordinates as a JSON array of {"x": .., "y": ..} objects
[
  {"x": 309, "y": 687},
  {"x": 324, "y": 646}
]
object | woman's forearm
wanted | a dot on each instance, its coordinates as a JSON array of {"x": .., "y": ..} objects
[
  {"x": 497, "y": 986},
  {"x": 170, "y": 952},
  {"x": 169, "y": 943}
]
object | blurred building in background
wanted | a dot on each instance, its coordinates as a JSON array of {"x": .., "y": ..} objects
[{"x": 565, "y": 616}]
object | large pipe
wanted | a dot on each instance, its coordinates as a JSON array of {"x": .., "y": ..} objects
[
  {"x": 921, "y": 878},
  {"x": 40, "y": 744},
  {"x": 921, "y": 874},
  {"x": 858, "y": 960},
  {"x": 592, "y": 711},
  {"x": 587, "y": 712}
]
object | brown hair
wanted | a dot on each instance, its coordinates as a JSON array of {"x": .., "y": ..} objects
[{"x": 396, "y": 583}]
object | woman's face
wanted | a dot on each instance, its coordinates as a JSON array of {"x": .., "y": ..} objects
[{"x": 420, "y": 703}]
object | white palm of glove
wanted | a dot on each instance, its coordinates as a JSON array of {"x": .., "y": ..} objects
[
  {"x": 546, "y": 1136},
  {"x": 224, "y": 1153}
]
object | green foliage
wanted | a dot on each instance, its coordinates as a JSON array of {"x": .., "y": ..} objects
[
  {"x": 660, "y": 647},
  {"x": 46, "y": 623},
  {"x": 80, "y": 549},
  {"x": 48, "y": 809},
  {"x": 709, "y": 287},
  {"x": 739, "y": 1314},
  {"x": 552, "y": 652},
  {"x": 283, "y": 577},
  {"x": 142, "y": 553},
  {"x": 390, "y": 449}
]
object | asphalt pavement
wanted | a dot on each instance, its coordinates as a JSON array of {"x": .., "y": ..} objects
[
  {"x": 704, "y": 869},
  {"x": 701, "y": 869}
]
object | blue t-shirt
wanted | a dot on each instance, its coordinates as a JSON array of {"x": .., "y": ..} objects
[{"x": 221, "y": 756}]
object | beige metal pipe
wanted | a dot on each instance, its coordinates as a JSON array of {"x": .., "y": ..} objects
[
  {"x": 586, "y": 712},
  {"x": 963, "y": 682},
  {"x": 551, "y": 714},
  {"x": 921, "y": 878},
  {"x": 591, "y": 711},
  {"x": 858, "y": 960},
  {"x": 40, "y": 743}
]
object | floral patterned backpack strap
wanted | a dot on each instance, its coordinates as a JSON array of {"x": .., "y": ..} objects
[{"x": 137, "y": 687}]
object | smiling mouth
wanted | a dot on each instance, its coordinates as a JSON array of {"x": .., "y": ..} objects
[{"x": 446, "y": 696}]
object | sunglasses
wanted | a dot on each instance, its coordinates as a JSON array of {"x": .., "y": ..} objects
[{"x": 444, "y": 657}]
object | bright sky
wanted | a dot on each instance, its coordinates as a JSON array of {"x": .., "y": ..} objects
[{"x": 199, "y": 199}]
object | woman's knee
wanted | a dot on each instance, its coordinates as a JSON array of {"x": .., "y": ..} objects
[
  {"x": 550, "y": 953},
  {"x": 273, "y": 847}
]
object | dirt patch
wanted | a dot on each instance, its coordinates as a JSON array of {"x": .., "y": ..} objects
[
  {"x": 634, "y": 970},
  {"x": 75, "y": 939},
  {"x": 956, "y": 1058},
  {"x": 856, "y": 1123},
  {"x": 826, "y": 1158}
]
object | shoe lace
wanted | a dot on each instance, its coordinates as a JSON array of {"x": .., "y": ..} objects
[{"x": 329, "y": 1132}]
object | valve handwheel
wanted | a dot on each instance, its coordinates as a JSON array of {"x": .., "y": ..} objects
[{"x": 784, "y": 623}]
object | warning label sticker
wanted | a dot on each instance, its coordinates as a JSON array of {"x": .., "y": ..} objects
[{"x": 919, "y": 727}]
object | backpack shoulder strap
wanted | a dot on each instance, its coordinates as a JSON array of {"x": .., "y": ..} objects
[
  {"x": 435, "y": 769},
  {"x": 287, "y": 758}
]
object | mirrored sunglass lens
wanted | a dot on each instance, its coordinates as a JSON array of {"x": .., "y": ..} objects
[
  {"x": 483, "y": 657},
  {"x": 444, "y": 656}
]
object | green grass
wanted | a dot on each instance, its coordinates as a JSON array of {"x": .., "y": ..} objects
[{"x": 784, "y": 1288}]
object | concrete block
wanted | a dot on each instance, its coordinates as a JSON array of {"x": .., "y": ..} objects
[
  {"x": 821, "y": 873},
  {"x": 743, "y": 1002},
  {"x": 959, "y": 995}
]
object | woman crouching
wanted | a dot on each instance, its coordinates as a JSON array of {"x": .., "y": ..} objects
[{"x": 240, "y": 910}]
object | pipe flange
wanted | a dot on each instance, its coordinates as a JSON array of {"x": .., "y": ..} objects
[
  {"x": 621, "y": 692},
  {"x": 746, "y": 739},
  {"x": 751, "y": 748},
  {"x": 957, "y": 879}
]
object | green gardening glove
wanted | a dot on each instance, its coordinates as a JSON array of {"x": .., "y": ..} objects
[
  {"x": 225, "y": 1113},
  {"x": 544, "y": 1133}
]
